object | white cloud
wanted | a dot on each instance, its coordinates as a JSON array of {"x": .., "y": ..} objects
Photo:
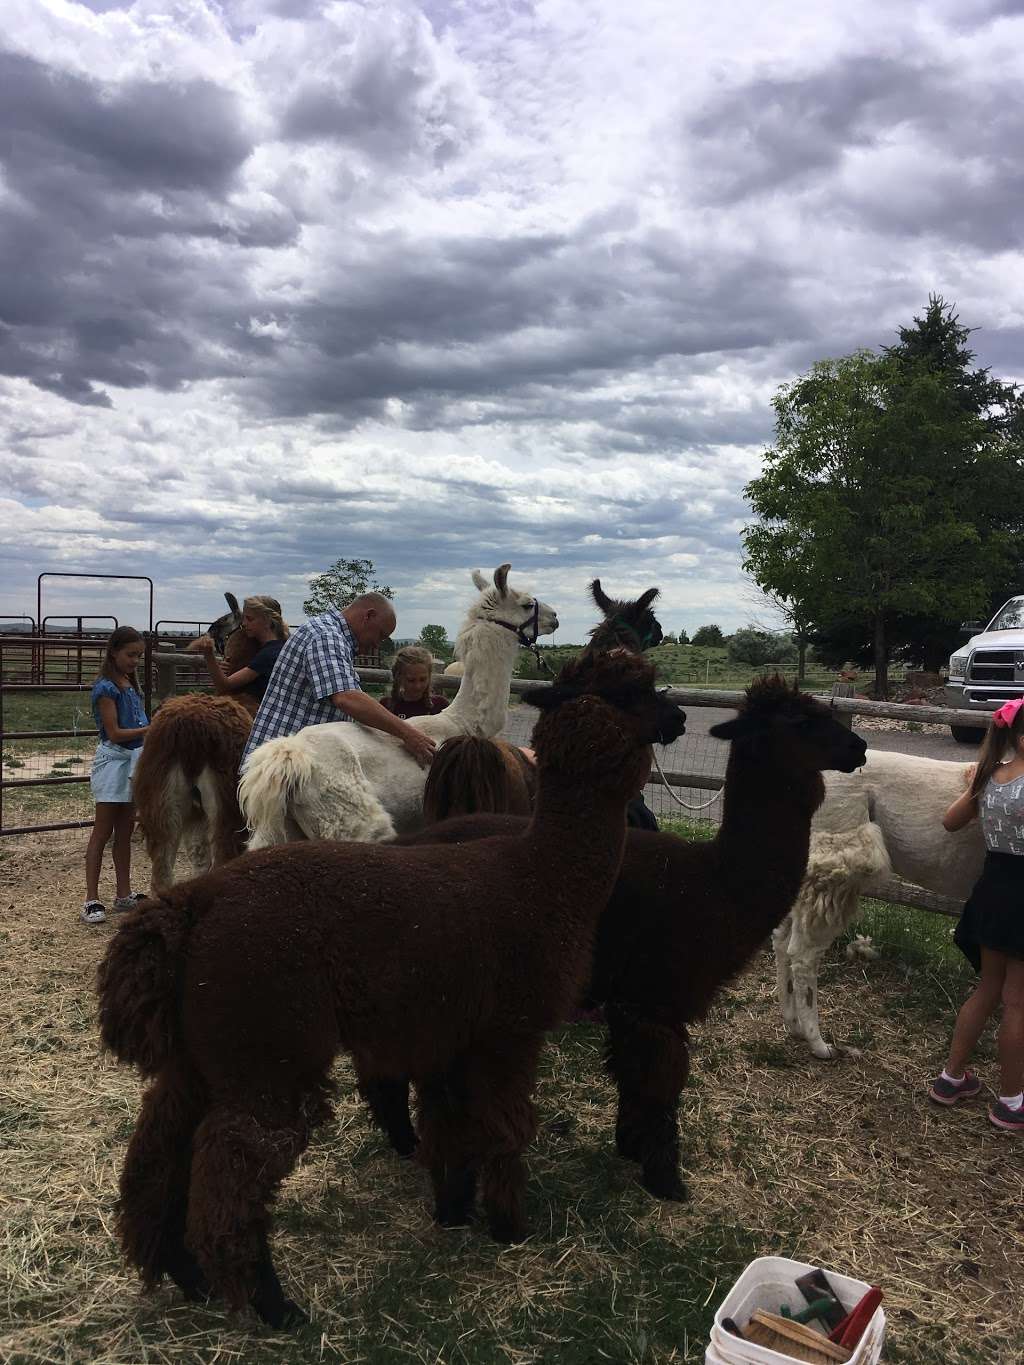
[{"x": 448, "y": 284}]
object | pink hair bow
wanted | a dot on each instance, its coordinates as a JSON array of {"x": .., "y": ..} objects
[{"x": 1006, "y": 713}]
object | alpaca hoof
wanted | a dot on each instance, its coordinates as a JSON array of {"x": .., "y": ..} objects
[
  {"x": 825, "y": 1052},
  {"x": 507, "y": 1231},
  {"x": 285, "y": 1314},
  {"x": 405, "y": 1147},
  {"x": 671, "y": 1187},
  {"x": 453, "y": 1218}
]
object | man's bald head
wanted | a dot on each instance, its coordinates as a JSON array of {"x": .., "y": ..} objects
[{"x": 372, "y": 619}]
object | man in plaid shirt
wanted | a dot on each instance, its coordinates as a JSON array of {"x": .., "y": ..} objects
[{"x": 315, "y": 680}]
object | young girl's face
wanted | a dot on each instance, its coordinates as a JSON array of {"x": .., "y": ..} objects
[
  {"x": 415, "y": 682},
  {"x": 128, "y": 657},
  {"x": 251, "y": 623}
]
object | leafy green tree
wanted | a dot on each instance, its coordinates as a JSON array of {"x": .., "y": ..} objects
[
  {"x": 887, "y": 494},
  {"x": 708, "y": 635},
  {"x": 342, "y": 583},
  {"x": 435, "y": 638},
  {"x": 759, "y": 647},
  {"x": 682, "y": 638}
]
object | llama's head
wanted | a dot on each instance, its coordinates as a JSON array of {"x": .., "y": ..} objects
[
  {"x": 629, "y": 625},
  {"x": 599, "y": 718},
  {"x": 517, "y": 609},
  {"x": 778, "y": 722},
  {"x": 222, "y": 629},
  {"x": 227, "y": 624}
]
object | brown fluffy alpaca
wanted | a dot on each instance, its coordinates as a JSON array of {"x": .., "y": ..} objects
[
  {"x": 194, "y": 744},
  {"x": 236, "y": 991},
  {"x": 685, "y": 918},
  {"x": 470, "y": 774}
]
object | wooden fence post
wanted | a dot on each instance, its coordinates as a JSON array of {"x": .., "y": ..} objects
[
  {"x": 843, "y": 688},
  {"x": 166, "y": 672}
]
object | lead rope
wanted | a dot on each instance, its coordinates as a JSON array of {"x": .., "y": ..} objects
[{"x": 700, "y": 805}]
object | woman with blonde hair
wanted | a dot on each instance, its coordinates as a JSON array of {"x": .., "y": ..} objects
[
  {"x": 264, "y": 625},
  {"x": 411, "y": 672}
]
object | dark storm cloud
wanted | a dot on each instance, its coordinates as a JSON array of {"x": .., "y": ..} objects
[
  {"x": 493, "y": 320},
  {"x": 962, "y": 176},
  {"x": 144, "y": 134},
  {"x": 108, "y": 186}
]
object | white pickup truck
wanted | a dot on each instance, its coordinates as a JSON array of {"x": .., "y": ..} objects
[{"x": 988, "y": 669}]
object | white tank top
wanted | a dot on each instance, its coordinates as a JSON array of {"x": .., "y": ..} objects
[{"x": 1001, "y": 812}]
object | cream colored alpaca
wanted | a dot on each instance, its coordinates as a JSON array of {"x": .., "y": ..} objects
[
  {"x": 884, "y": 818},
  {"x": 345, "y": 781}
]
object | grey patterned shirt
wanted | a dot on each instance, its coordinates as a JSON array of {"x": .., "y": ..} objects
[{"x": 1001, "y": 812}]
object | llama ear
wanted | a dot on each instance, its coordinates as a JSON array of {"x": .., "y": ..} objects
[
  {"x": 232, "y": 601},
  {"x": 501, "y": 578},
  {"x": 601, "y": 598},
  {"x": 479, "y": 581},
  {"x": 645, "y": 599},
  {"x": 735, "y": 729}
]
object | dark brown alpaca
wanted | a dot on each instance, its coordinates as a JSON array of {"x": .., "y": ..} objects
[
  {"x": 685, "y": 918},
  {"x": 236, "y": 991},
  {"x": 194, "y": 745},
  {"x": 469, "y": 774},
  {"x": 626, "y": 625}
]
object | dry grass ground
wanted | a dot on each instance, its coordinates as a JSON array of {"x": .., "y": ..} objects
[{"x": 844, "y": 1165}]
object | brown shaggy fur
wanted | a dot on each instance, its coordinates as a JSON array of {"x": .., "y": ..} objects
[
  {"x": 237, "y": 990},
  {"x": 685, "y": 918},
  {"x": 470, "y": 774},
  {"x": 186, "y": 783}
]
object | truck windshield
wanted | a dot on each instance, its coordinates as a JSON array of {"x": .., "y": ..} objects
[{"x": 1009, "y": 616}]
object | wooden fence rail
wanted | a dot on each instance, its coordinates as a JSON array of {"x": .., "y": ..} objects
[{"x": 884, "y": 888}]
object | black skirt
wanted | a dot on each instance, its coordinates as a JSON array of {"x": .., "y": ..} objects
[{"x": 994, "y": 914}]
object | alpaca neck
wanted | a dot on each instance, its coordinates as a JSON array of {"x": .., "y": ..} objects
[
  {"x": 593, "y": 825},
  {"x": 489, "y": 654},
  {"x": 764, "y": 837}
]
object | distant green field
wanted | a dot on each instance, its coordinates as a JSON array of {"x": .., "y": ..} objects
[{"x": 690, "y": 666}]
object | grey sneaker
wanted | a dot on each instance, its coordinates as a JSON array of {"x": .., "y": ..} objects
[
  {"x": 93, "y": 912},
  {"x": 1012, "y": 1120},
  {"x": 951, "y": 1092},
  {"x": 130, "y": 901}
]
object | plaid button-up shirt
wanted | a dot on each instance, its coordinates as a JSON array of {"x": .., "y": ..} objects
[{"x": 316, "y": 661}]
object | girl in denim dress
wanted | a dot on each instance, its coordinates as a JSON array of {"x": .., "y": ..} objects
[{"x": 121, "y": 721}]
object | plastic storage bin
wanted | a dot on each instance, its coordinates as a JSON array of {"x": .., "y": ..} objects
[{"x": 767, "y": 1283}]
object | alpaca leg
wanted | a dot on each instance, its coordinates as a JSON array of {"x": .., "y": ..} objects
[
  {"x": 155, "y": 1181},
  {"x": 387, "y": 1098},
  {"x": 784, "y": 977},
  {"x": 343, "y": 806},
  {"x": 498, "y": 1123},
  {"x": 805, "y": 966},
  {"x": 241, "y": 1153},
  {"x": 830, "y": 907},
  {"x": 442, "y": 1148},
  {"x": 651, "y": 1063},
  {"x": 223, "y": 818},
  {"x": 164, "y": 828}
]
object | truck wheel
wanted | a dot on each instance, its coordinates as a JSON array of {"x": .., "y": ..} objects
[{"x": 966, "y": 734}]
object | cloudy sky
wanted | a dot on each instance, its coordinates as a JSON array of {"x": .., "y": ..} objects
[{"x": 450, "y": 283}]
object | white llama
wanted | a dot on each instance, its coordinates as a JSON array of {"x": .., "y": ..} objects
[
  {"x": 886, "y": 817},
  {"x": 345, "y": 781}
]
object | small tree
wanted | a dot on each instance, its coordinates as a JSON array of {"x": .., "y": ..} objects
[
  {"x": 759, "y": 647},
  {"x": 682, "y": 638},
  {"x": 342, "y": 583},
  {"x": 435, "y": 638},
  {"x": 708, "y": 635}
]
